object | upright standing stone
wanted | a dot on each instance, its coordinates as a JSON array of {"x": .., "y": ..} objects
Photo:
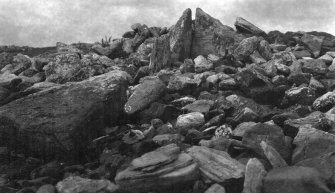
[
  {"x": 254, "y": 175},
  {"x": 181, "y": 37},
  {"x": 211, "y": 36},
  {"x": 160, "y": 55}
]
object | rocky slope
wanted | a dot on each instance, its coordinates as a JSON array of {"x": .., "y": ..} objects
[{"x": 199, "y": 107}]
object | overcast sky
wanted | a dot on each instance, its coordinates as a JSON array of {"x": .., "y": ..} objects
[{"x": 44, "y": 22}]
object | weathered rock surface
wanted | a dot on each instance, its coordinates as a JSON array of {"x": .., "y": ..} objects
[
  {"x": 294, "y": 179},
  {"x": 163, "y": 168},
  {"x": 245, "y": 26},
  {"x": 60, "y": 121},
  {"x": 76, "y": 184},
  {"x": 254, "y": 175},
  {"x": 160, "y": 55},
  {"x": 211, "y": 36},
  {"x": 181, "y": 37},
  {"x": 189, "y": 121},
  {"x": 216, "y": 165},
  {"x": 144, "y": 94},
  {"x": 311, "y": 143}
]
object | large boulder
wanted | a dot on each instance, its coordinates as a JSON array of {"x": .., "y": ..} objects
[
  {"x": 311, "y": 143},
  {"x": 61, "y": 121},
  {"x": 245, "y": 26},
  {"x": 211, "y": 36},
  {"x": 314, "y": 43},
  {"x": 294, "y": 179},
  {"x": 166, "y": 167},
  {"x": 216, "y": 165},
  {"x": 145, "y": 93},
  {"x": 254, "y": 175},
  {"x": 181, "y": 37}
]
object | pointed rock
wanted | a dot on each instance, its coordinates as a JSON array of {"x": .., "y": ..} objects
[
  {"x": 245, "y": 26},
  {"x": 273, "y": 156},
  {"x": 146, "y": 93},
  {"x": 160, "y": 55},
  {"x": 254, "y": 175},
  {"x": 181, "y": 37},
  {"x": 211, "y": 36}
]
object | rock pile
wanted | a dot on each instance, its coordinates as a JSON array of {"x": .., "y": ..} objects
[{"x": 199, "y": 107}]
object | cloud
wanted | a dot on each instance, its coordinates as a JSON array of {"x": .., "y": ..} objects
[{"x": 44, "y": 22}]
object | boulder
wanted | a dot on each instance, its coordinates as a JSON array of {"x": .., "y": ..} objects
[
  {"x": 166, "y": 167},
  {"x": 146, "y": 93},
  {"x": 245, "y": 48},
  {"x": 160, "y": 55},
  {"x": 244, "y": 26},
  {"x": 216, "y": 188},
  {"x": 254, "y": 175},
  {"x": 181, "y": 37},
  {"x": 324, "y": 102},
  {"x": 189, "y": 121},
  {"x": 62, "y": 120},
  {"x": 202, "y": 65},
  {"x": 76, "y": 184},
  {"x": 311, "y": 143},
  {"x": 271, "y": 134},
  {"x": 254, "y": 84},
  {"x": 300, "y": 95},
  {"x": 201, "y": 106},
  {"x": 314, "y": 66},
  {"x": 265, "y": 50},
  {"x": 216, "y": 165},
  {"x": 182, "y": 84},
  {"x": 325, "y": 164},
  {"x": 272, "y": 155},
  {"x": 294, "y": 179},
  {"x": 316, "y": 119},
  {"x": 211, "y": 36},
  {"x": 314, "y": 43}
]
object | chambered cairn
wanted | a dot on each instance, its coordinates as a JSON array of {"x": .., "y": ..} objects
[{"x": 200, "y": 107}]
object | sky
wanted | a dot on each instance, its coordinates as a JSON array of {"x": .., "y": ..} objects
[{"x": 42, "y": 23}]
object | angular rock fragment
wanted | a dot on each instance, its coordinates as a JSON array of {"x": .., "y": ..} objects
[
  {"x": 181, "y": 37},
  {"x": 254, "y": 175},
  {"x": 163, "y": 168},
  {"x": 273, "y": 156},
  {"x": 311, "y": 143},
  {"x": 160, "y": 56},
  {"x": 314, "y": 43},
  {"x": 76, "y": 184},
  {"x": 324, "y": 102},
  {"x": 202, "y": 65},
  {"x": 216, "y": 165},
  {"x": 216, "y": 188},
  {"x": 246, "y": 47},
  {"x": 146, "y": 93},
  {"x": 245, "y": 26},
  {"x": 294, "y": 179},
  {"x": 189, "y": 121}
]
